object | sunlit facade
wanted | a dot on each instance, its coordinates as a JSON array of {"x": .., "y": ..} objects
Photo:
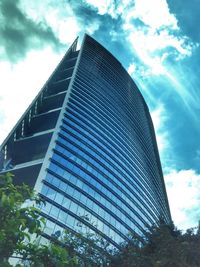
[{"x": 87, "y": 145}]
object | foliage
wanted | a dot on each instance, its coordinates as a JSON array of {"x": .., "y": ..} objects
[
  {"x": 163, "y": 246},
  {"x": 90, "y": 249},
  {"x": 17, "y": 221},
  {"x": 20, "y": 225},
  {"x": 51, "y": 255}
]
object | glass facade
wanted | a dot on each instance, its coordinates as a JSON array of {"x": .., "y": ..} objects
[{"x": 101, "y": 167}]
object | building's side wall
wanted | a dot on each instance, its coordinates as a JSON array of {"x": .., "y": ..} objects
[{"x": 104, "y": 168}]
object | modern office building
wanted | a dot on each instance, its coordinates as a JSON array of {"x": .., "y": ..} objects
[{"x": 87, "y": 146}]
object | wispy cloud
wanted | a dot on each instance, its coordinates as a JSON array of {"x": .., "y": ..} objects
[
  {"x": 155, "y": 37},
  {"x": 152, "y": 36}
]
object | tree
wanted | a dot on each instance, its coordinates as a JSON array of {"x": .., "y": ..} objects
[
  {"x": 163, "y": 246},
  {"x": 20, "y": 225},
  {"x": 90, "y": 248},
  {"x": 16, "y": 221},
  {"x": 51, "y": 255}
]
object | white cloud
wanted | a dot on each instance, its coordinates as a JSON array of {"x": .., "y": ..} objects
[
  {"x": 131, "y": 68},
  {"x": 92, "y": 27},
  {"x": 151, "y": 48},
  {"x": 104, "y": 7},
  {"x": 154, "y": 13},
  {"x": 60, "y": 16},
  {"x": 20, "y": 83},
  {"x": 159, "y": 118},
  {"x": 57, "y": 14},
  {"x": 156, "y": 36},
  {"x": 183, "y": 189}
]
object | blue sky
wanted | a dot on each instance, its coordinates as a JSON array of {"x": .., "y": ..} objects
[{"x": 157, "y": 41}]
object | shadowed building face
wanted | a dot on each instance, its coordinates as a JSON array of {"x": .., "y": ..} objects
[{"x": 87, "y": 145}]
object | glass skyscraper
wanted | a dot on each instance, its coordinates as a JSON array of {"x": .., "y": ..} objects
[{"x": 87, "y": 146}]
